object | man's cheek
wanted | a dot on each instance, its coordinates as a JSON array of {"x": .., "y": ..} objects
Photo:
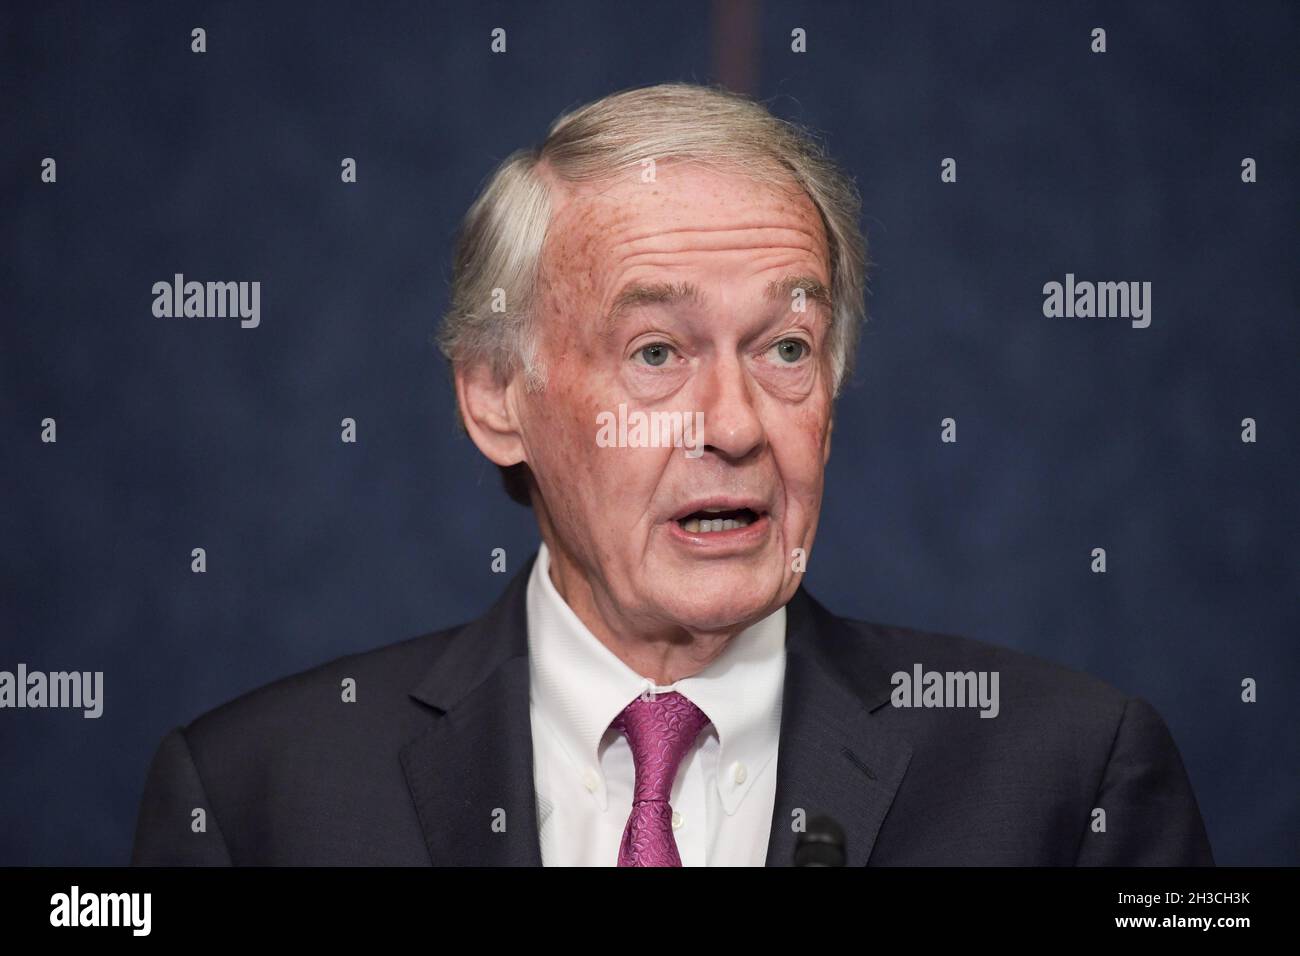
[
  {"x": 623, "y": 483},
  {"x": 563, "y": 452},
  {"x": 618, "y": 470},
  {"x": 800, "y": 455},
  {"x": 803, "y": 493}
]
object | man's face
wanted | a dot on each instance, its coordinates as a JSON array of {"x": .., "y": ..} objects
[{"x": 682, "y": 295}]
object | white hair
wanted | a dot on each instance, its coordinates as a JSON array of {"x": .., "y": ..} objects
[{"x": 491, "y": 317}]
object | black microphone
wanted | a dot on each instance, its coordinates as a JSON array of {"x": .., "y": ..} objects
[{"x": 822, "y": 844}]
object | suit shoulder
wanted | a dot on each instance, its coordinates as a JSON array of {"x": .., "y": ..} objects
[
  {"x": 314, "y": 697},
  {"x": 1034, "y": 683}
]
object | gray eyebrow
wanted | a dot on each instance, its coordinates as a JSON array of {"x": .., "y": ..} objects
[
  {"x": 649, "y": 293},
  {"x": 780, "y": 290},
  {"x": 665, "y": 293}
]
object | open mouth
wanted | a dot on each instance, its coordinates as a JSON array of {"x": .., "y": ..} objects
[{"x": 710, "y": 520}]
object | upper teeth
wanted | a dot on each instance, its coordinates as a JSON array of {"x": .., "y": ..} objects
[{"x": 700, "y": 526}]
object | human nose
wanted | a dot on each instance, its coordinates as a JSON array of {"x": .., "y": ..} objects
[{"x": 732, "y": 426}]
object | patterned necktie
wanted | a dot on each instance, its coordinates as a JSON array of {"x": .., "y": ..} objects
[{"x": 660, "y": 730}]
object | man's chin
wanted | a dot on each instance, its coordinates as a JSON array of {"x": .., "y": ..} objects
[{"x": 719, "y": 601}]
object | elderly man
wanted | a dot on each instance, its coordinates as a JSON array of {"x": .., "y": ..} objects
[{"x": 651, "y": 316}]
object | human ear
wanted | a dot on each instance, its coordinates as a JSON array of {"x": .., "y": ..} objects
[{"x": 487, "y": 410}]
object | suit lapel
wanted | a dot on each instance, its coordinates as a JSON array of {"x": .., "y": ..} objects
[
  {"x": 471, "y": 772},
  {"x": 833, "y": 758}
]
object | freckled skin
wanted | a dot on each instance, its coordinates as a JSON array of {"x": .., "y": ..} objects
[{"x": 605, "y": 512}]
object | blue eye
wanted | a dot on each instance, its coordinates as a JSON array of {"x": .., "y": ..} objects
[
  {"x": 791, "y": 350},
  {"x": 655, "y": 354}
]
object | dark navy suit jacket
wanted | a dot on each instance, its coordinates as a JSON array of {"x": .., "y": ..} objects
[{"x": 436, "y": 753}]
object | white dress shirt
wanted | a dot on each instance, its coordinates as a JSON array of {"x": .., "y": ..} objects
[{"x": 725, "y": 790}]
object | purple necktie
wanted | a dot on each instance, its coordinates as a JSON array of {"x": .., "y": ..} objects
[{"x": 660, "y": 730}]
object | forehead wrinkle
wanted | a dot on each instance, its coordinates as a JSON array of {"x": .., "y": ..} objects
[
  {"x": 598, "y": 237},
  {"x": 755, "y": 237}
]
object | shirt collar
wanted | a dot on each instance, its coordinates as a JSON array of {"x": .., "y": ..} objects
[{"x": 578, "y": 686}]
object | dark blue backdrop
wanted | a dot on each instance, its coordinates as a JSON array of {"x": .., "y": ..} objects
[{"x": 1073, "y": 433}]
